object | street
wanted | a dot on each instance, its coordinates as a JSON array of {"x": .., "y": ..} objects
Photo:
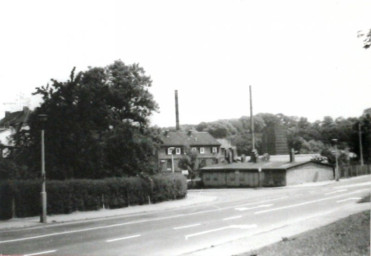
[{"x": 235, "y": 214}]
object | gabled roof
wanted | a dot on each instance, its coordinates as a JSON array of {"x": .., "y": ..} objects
[
  {"x": 15, "y": 118},
  {"x": 191, "y": 138},
  {"x": 277, "y": 165}
]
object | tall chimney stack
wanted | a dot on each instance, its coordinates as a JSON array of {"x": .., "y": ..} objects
[
  {"x": 252, "y": 122},
  {"x": 177, "y": 110}
]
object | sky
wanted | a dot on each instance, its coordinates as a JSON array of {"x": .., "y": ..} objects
[{"x": 301, "y": 58}]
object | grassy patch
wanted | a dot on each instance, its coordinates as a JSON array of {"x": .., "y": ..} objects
[{"x": 349, "y": 236}]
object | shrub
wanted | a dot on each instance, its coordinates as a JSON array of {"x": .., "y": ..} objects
[{"x": 85, "y": 195}]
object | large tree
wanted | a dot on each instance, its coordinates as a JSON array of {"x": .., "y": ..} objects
[{"x": 98, "y": 124}]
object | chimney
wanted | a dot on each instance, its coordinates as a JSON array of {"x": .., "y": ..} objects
[
  {"x": 292, "y": 155},
  {"x": 176, "y": 110}
]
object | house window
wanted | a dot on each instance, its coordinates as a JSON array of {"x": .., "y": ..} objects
[
  {"x": 194, "y": 149},
  {"x": 170, "y": 151},
  {"x": 214, "y": 150},
  {"x": 202, "y": 150},
  {"x": 177, "y": 151}
]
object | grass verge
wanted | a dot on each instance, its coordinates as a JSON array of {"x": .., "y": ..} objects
[{"x": 349, "y": 236}]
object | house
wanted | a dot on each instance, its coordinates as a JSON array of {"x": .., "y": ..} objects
[
  {"x": 272, "y": 173},
  {"x": 9, "y": 125},
  {"x": 175, "y": 145}
]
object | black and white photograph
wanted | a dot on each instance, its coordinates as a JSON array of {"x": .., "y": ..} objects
[{"x": 185, "y": 128}]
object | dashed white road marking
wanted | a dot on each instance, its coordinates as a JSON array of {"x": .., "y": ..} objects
[
  {"x": 188, "y": 226},
  {"x": 336, "y": 191},
  {"x": 252, "y": 208},
  {"x": 233, "y": 217},
  {"x": 131, "y": 222},
  {"x": 356, "y": 185},
  {"x": 348, "y": 199},
  {"x": 122, "y": 238},
  {"x": 309, "y": 202},
  {"x": 220, "y": 229},
  {"x": 39, "y": 253}
]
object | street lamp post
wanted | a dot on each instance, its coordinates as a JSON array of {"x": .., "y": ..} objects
[
  {"x": 336, "y": 159},
  {"x": 42, "y": 119}
]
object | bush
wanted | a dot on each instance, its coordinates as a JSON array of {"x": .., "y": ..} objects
[{"x": 85, "y": 195}]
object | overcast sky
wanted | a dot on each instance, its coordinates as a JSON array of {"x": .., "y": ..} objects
[{"x": 302, "y": 58}]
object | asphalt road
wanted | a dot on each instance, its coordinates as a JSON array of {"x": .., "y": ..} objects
[{"x": 237, "y": 213}]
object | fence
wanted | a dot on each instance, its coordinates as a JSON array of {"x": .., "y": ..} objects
[{"x": 354, "y": 170}]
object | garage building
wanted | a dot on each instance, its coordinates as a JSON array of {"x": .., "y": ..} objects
[{"x": 275, "y": 173}]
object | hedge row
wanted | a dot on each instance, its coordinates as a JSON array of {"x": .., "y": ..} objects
[{"x": 22, "y": 198}]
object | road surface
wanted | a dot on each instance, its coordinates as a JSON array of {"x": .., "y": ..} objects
[{"x": 236, "y": 214}]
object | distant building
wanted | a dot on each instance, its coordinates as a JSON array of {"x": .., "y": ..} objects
[
  {"x": 274, "y": 173},
  {"x": 176, "y": 143},
  {"x": 274, "y": 140},
  {"x": 227, "y": 150},
  {"x": 9, "y": 125}
]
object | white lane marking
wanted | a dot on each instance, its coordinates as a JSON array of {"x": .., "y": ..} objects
[
  {"x": 132, "y": 222},
  {"x": 308, "y": 202},
  {"x": 188, "y": 226},
  {"x": 355, "y": 185},
  {"x": 336, "y": 191},
  {"x": 220, "y": 229},
  {"x": 264, "y": 201},
  {"x": 348, "y": 199},
  {"x": 121, "y": 238},
  {"x": 39, "y": 253},
  {"x": 241, "y": 209},
  {"x": 233, "y": 217}
]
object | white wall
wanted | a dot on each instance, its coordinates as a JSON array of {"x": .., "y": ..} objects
[{"x": 310, "y": 172}]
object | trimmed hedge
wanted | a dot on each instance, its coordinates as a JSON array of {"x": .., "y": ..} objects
[{"x": 22, "y": 198}]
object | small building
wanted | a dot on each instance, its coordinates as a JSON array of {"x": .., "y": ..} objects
[
  {"x": 274, "y": 140},
  {"x": 9, "y": 125},
  {"x": 277, "y": 173},
  {"x": 176, "y": 143},
  {"x": 227, "y": 150}
]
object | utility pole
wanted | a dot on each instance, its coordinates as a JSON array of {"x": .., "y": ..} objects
[
  {"x": 177, "y": 111},
  {"x": 252, "y": 122},
  {"x": 360, "y": 143}
]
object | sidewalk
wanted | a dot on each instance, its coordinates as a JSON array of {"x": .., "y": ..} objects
[{"x": 193, "y": 198}]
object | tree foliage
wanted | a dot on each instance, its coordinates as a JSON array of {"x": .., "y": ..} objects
[
  {"x": 98, "y": 124},
  {"x": 302, "y": 135}
]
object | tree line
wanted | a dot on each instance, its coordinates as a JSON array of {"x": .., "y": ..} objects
[
  {"x": 98, "y": 126},
  {"x": 303, "y": 136}
]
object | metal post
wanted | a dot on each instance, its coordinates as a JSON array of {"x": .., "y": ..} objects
[
  {"x": 337, "y": 163},
  {"x": 42, "y": 119},
  {"x": 43, "y": 177},
  {"x": 172, "y": 161},
  {"x": 360, "y": 143}
]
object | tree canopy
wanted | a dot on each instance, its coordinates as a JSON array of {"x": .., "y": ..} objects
[
  {"x": 302, "y": 135},
  {"x": 97, "y": 126}
]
